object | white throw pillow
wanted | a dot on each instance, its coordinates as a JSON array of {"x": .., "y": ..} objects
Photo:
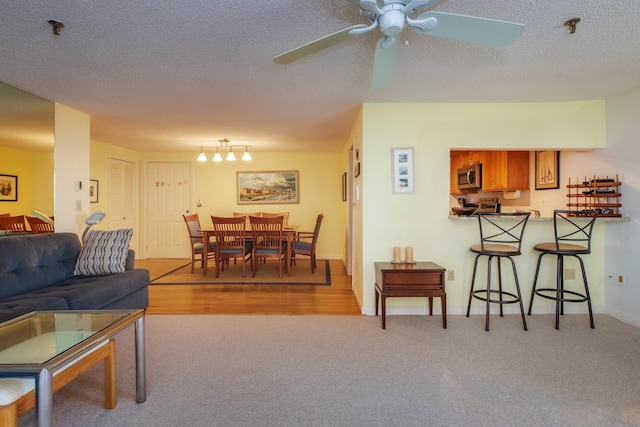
[{"x": 104, "y": 252}]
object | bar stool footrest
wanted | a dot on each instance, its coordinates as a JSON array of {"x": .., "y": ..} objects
[
  {"x": 513, "y": 298},
  {"x": 562, "y": 298}
]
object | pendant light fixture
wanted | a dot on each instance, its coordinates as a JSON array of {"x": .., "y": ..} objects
[{"x": 224, "y": 143}]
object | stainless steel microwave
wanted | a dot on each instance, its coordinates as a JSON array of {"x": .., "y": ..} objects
[{"x": 470, "y": 177}]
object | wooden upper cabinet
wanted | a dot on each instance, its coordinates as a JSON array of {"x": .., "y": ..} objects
[
  {"x": 469, "y": 158},
  {"x": 456, "y": 163},
  {"x": 505, "y": 170}
]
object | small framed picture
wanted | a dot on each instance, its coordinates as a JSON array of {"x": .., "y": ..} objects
[
  {"x": 547, "y": 170},
  {"x": 402, "y": 170},
  {"x": 93, "y": 191},
  {"x": 8, "y": 188}
]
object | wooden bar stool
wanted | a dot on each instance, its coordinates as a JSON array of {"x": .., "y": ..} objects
[
  {"x": 500, "y": 237},
  {"x": 571, "y": 239}
]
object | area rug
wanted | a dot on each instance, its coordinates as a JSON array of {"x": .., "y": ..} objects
[{"x": 267, "y": 274}]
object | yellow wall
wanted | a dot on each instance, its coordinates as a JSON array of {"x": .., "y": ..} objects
[
  {"x": 420, "y": 220},
  {"x": 214, "y": 185},
  {"x": 35, "y": 181}
]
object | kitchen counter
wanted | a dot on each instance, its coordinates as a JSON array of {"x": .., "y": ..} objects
[{"x": 541, "y": 219}]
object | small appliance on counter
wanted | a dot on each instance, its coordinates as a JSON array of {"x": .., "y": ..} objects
[
  {"x": 464, "y": 208},
  {"x": 489, "y": 205},
  {"x": 485, "y": 205}
]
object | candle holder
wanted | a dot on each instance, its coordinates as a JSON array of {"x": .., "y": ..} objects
[
  {"x": 408, "y": 255},
  {"x": 396, "y": 256}
]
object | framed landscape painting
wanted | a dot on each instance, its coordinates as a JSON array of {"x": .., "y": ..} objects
[
  {"x": 269, "y": 187},
  {"x": 8, "y": 188}
]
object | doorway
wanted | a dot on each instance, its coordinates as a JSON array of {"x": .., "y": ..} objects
[
  {"x": 168, "y": 197},
  {"x": 123, "y": 197}
]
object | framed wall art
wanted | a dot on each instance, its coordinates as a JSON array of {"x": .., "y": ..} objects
[
  {"x": 402, "y": 170},
  {"x": 269, "y": 187},
  {"x": 93, "y": 191},
  {"x": 8, "y": 188},
  {"x": 344, "y": 187},
  {"x": 547, "y": 170}
]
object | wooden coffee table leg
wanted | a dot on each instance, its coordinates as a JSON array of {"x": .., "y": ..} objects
[{"x": 110, "y": 398}]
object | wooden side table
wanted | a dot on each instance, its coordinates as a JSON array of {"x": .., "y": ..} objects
[{"x": 422, "y": 279}]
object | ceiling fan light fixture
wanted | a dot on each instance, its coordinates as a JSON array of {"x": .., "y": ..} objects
[{"x": 392, "y": 21}]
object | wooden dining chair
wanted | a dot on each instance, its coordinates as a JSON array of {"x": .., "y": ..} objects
[
  {"x": 16, "y": 224},
  {"x": 305, "y": 244},
  {"x": 246, "y": 216},
  {"x": 231, "y": 242},
  {"x": 39, "y": 226},
  {"x": 268, "y": 241},
  {"x": 195, "y": 239},
  {"x": 285, "y": 215}
]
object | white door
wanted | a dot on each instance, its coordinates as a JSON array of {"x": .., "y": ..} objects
[
  {"x": 168, "y": 191},
  {"x": 122, "y": 197}
]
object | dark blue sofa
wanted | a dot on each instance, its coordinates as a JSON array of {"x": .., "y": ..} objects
[{"x": 36, "y": 273}]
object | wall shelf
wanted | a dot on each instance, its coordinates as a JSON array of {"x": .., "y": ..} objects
[{"x": 601, "y": 195}]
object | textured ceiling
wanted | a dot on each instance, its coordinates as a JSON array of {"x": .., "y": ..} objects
[{"x": 168, "y": 75}]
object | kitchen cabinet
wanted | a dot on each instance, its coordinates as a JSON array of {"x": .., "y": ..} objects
[
  {"x": 505, "y": 170},
  {"x": 456, "y": 163},
  {"x": 468, "y": 158}
]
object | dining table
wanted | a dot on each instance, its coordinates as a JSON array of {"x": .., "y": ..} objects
[{"x": 288, "y": 233}]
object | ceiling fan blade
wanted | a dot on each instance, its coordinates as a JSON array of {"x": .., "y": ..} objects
[
  {"x": 484, "y": 31},
  {"x": 316, "y": 45},
  {"x": 384, "y": 63},
  {"x": 410, "y": 7}
]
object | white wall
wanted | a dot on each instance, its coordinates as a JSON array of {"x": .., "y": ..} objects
[
  {"x": 421, "y": 220},
  {"x": 622, "y": 244}
]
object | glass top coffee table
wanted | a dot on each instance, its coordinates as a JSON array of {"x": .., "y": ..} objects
[{"x": 42, "y": 342}]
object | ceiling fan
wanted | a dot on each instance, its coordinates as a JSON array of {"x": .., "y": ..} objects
[{"x": 391, "y": 18}]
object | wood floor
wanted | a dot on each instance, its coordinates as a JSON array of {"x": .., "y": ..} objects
[{"x": 336, "y": 299}]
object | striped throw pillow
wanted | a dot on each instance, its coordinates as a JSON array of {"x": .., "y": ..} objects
[{"x": 104, "y": 252}]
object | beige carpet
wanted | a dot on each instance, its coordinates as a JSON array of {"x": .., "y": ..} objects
[
  {"x": 266, "y": 274},
  {"x": 346, "y": 371}
]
